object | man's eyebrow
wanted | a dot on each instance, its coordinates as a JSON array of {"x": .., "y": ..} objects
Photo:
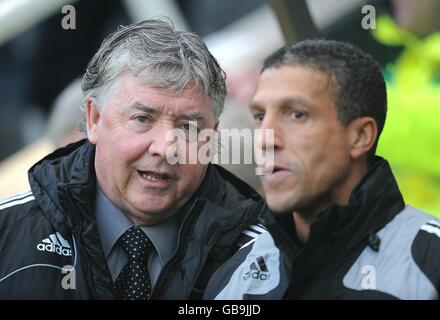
[
  {"x": 187, "y": 116},
  {"x": 296, "y": 100},
  {"x": 254, "y": 105},
  {"x": 292, "y": 100},
  {"x": 192, "y": 117},
  {"x": 142, "y": 107}
]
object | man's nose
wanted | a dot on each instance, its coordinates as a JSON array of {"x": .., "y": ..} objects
[
  {"x": 160, "y": 142},
  {"x": 272, "y": 127}
]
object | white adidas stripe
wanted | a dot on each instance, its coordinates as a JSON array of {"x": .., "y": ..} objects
[
  {"x": 248, "y": 243},
  {"x": 62, "y": 241},
  {"x": 16, "y": 202},
  {"x": 253, "y": 230},
  {"x": 257, "y": 228},
  {"x": 56, "y": 238},
  {"x": 250, "y": 233},
  {"x": 431, "y": 229},
  {"x": 16, "y": 196},
  {"x": 436, "y": 223}
]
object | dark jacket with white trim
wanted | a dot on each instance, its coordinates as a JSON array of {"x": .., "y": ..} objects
[
  {"x": 50, "y": 248},
  {"x": 376, "y": 247}
]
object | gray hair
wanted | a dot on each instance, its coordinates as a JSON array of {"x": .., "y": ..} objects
[{"x": 169, "y": 59}]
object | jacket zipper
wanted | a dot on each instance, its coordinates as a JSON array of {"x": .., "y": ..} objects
[
  {"x": 79, "y": 236},
  {"x": 181, "y": 242}
]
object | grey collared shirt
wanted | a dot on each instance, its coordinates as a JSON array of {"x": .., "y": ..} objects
[{"x": 112, "y": 223}]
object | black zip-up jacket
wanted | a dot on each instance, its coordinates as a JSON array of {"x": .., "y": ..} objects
[
  {"x": 376, "y": 247},
  {"x": 50, "y": 247}
]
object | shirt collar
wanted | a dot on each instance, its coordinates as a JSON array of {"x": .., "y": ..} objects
[
  {"x": 112, "y": 223},
  {"x": 164, "y": 237}
]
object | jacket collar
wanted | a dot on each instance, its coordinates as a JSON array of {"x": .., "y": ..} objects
[
  {"x": 340, "y": 230},
  {"x": 373, "y": 203},
  {"x": 66, "y": 174}
]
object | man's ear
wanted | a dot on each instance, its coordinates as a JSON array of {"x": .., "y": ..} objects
[
  {"x": 362, "y": 136},
  {"x": 93, "y": 117}
]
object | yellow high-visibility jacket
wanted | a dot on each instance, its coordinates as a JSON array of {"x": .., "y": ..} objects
[{"x": 411, "y": 137}]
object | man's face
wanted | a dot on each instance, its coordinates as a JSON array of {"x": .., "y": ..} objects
[
  {"x": 311, "y": 147},
  {"x": 130, "y": 133}
]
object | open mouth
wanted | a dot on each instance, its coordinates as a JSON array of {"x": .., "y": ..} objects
[
  {"x": 154, "y": 176},
  {"x": 269, "y": 170},
  {"x": 275, "y": 169},
  {"x": 275, "y": 172}
]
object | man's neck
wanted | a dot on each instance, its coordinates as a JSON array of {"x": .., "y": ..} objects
[
  {"x": 340, "y": 195},
  {"x": 302, "y": 225}
]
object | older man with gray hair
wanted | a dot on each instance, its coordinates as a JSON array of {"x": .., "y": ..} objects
[{"x": 109, "y": 217}]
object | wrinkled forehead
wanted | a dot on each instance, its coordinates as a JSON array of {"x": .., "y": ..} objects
[
  {"x": 127, "y": 80},
  {"x": 298, "y": 84},
  {"x": 130, "y": 91}
]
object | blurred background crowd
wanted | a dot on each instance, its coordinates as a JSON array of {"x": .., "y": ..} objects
[{"x": 41, "y": 64}]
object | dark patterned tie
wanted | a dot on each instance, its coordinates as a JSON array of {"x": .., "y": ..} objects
[{"x": 134, "y": 283}]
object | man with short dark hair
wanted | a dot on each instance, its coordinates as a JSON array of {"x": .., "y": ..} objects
[
  {"x": 353, "y": 235},
  {"x": 111, "y": 217}
]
